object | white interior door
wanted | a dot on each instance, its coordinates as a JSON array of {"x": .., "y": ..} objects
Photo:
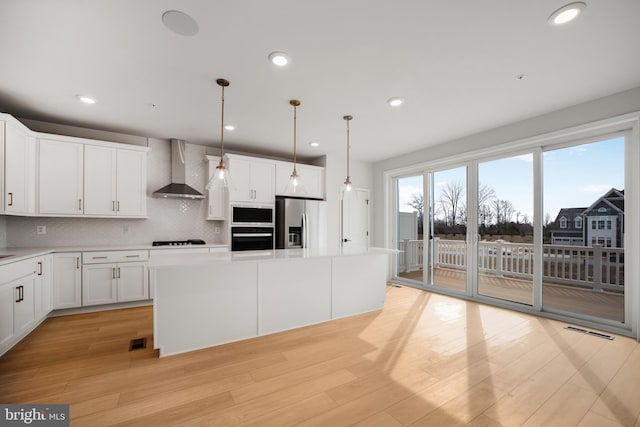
[{"x": 355, "y": 219}]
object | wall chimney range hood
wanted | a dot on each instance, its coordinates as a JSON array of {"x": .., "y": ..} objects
[{"x": 178, "y": 189}]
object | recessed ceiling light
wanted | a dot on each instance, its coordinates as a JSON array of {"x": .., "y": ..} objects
[
  {"x": 229, "y": 127},
  {"x": 314, "y": 144},
  {"x": 86, "y": 99},
  {"x": 566, "y": 13},
  {"x": 394, "y": 102},
  {"x": 180, "y": 23},
  {"x": 279, "y": 58}
]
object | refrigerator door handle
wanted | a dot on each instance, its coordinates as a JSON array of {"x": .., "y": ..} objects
[{"x": 305, "y": 231}]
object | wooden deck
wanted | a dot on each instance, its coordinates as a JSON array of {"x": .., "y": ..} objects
[{"x": 605, "y": 305}]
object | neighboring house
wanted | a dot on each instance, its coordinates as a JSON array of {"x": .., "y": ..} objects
[
  {"x": 568, "y": 228},
  {"x": 601, "y": 223}
]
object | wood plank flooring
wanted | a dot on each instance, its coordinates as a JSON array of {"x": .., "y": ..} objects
[{"x": 425, "y": 360}]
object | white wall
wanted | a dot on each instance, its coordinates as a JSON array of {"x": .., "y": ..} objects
[
  {"x": 3, "y": 232},
  {"x": 602, "y": 108}
]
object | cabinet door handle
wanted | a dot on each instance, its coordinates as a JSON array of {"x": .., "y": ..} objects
[
  {"x": 10, "y": 200},
  {"x": 18, "y": 292},
  {"x": 113, "y": 205},
  {"x": 39, "y": 268},
  {"x": 77, "y": 262},
  {"x": 79, "y": 204},
  {"x": 21, "y": 293},
  {"x": 113, "y": 272},
  {"x": 118, "y": 206}
]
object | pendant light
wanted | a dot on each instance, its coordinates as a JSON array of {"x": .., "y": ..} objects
[
  {"x": 294, "y": 186},
  {"x": 347, "y": 182},
  {"x": 221, "y": 178}
]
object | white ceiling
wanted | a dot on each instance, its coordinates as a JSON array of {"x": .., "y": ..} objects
[{"x": 454, "y": 62}]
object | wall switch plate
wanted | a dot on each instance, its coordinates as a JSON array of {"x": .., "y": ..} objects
[{"x": 41, "y": 229}]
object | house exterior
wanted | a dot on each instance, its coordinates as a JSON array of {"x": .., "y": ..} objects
[{"x": 601, "y": 223}]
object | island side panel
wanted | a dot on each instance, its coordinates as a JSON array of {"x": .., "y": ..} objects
[
  {"x": 294, "y": 293},
  {"x": 358, "y": 284},
  {"x": 203, "y": 306}
]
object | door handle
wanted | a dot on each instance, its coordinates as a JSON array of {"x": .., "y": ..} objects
[
  {"x": 18, "y": 291},
  {"x": 113, "y": 205},
  {"x": 79, "y": 204},
  {"x": 346, "y": 240},
  {"x": 39, "y": 268},
  {"x": 113, "y": 272},
  {"x": 118, "y": 206},
  {"x": 77, "y": 262},
  {"x": 10, "y": 200}
]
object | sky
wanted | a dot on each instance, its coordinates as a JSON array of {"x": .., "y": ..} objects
[{"x": 572, "y": 177}]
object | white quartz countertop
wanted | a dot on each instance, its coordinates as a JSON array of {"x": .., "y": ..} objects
[
  {"x": 177, "y": 260},
  {"x": 19, "y": 254}
]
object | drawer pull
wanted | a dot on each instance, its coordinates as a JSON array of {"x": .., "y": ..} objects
[
  {"x": 99, "y": 257},
  {"x": 133, "y": 256}
]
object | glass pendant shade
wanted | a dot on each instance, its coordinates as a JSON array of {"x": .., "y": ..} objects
[{"x": 294, "y": 186}]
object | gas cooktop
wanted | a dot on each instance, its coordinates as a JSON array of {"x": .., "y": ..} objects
[{"x": 179, "y": 242}]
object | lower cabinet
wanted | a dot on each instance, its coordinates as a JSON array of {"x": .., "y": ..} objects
[
  {"x": 105, "y": 282},
  {"x": 67, "y": 280},
  {"x": 43, "y": 289},
  {"x": 17, "y": 302}
]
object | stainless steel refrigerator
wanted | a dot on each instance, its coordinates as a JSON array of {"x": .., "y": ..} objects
[{"x": 300, "y": 223}]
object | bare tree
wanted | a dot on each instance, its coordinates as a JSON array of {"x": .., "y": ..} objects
[
  {"x": 547, "y": 219},
  {"x": 507, "y": 211},
  {"x": 417, "y": 203},
  {"x": 451, "y": 195},
  {"x": 485, "y": 194}
]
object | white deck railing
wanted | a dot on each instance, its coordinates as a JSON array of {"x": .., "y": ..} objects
[{"x": 595, "y": 267}]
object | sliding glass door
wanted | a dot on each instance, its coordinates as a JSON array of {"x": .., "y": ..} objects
[
  {"x": 410, "y": 228},
  {"x": 505, "y": 229},
  {"x": 583, "y": 268}
]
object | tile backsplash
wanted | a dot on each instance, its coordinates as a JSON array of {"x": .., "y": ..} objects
[{"x": 169, "y": 219}]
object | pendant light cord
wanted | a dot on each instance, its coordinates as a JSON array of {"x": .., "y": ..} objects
[
  {"x": 295, "y": 109},
  {"x": 222, "y": 127},
  {"x": 348, "y": 175}
]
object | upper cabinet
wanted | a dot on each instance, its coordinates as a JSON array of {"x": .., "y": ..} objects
[
  {"x": 19, "y": 168},
  {"x": 91, "y": 178},
  {"x": 60, "y": 166},
  {"x": 114, "y": 181},
  {"x": 252, "y": 179},
  {"x": 311, "y": 178}
]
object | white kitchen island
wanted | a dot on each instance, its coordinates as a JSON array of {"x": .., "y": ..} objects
[{"x": 203, "y": 300}]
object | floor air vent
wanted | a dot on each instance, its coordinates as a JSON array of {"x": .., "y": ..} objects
[
  {"x": 584, "y": 331},
  {"x": 137, "y": 344}
]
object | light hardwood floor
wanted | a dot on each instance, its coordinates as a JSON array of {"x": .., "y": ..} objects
[{"x": 425, "y": 360}]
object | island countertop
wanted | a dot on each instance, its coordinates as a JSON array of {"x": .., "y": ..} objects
[{"x": 176, "y": 260}]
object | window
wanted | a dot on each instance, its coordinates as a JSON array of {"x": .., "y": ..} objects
[
  {"x": 593, "y": 224},
  {"x": 563, "y": 222},
  {"x": 578, "y": 222},
  {"x": 608, "y": 224},
  {"x": 601, "y": 224}
]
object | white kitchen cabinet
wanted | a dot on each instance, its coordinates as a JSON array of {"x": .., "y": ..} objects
[
  {"x": 218, "y": 204},
  {"x": 106, "y": 282},
  {"x": 114, "y": 181},
  {"x": 60, "y": 167},
  {"x": 17, "y": 302},
  {"x": 133, "y": 281},
  {"x": 99, "y": 284},
  {"x": 311, "y": 178},
  {"x": 67, "y": 280},
  {"x": 43, "y": 290},
  {"x": 19, "y": 170},
  {"x": 253, "y": 179}
]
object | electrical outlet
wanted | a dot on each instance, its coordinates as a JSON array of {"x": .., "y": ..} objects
[
  {"x": 41, "y": 229},
  {"x": 217, "y": 230}
]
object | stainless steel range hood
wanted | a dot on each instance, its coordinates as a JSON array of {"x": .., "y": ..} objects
[{"x": 178, "y": 189}]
